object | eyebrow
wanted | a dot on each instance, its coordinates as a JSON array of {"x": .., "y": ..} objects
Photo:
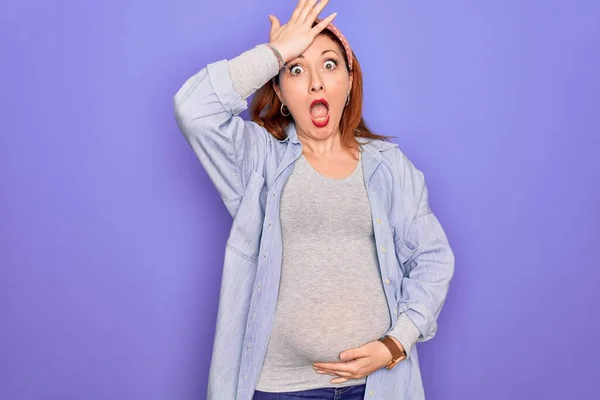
[{"x": 323, "y": 52}]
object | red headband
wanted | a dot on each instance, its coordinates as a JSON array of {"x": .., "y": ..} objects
[{"x": 333, "y": 29}]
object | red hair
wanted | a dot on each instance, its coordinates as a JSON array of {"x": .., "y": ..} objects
[{"x": 265, "y": 107}]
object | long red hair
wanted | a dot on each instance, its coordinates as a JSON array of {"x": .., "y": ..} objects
[{"x": 265, "y": 107}]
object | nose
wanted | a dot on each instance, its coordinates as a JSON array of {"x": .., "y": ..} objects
[
  {"x": 316, "y": 84},
  {"x": 316, "y": 88}
]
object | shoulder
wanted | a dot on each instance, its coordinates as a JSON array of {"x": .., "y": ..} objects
[
  {"x": 392, "y": 155},
  {"x": 406, "y": 180},
  {"x": 406, "y": 168},
  {"x": 376, "y": 144}
]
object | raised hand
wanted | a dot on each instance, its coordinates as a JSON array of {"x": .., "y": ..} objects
[{"x": 295, "y": 36}]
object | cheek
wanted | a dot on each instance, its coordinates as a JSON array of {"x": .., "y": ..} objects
[
  {"x": 294, "y": 94},
  {"x": 338, "y": 90}
]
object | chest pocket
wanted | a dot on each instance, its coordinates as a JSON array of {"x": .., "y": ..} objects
[{"x": 246, "y": 228}]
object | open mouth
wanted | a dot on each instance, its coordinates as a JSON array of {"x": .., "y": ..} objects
[{"x": 319, "y": 112}]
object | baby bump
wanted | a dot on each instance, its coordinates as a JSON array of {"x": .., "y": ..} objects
[{"x": 320, "y": 326}]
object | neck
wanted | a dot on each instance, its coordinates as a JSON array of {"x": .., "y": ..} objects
[{"x": 321, "y": 147}]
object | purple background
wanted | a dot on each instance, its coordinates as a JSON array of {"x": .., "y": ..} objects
[{"x": 112, "y": 236}]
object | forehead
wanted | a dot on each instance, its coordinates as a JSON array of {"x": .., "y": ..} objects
[{"x": 321, "y": 43}]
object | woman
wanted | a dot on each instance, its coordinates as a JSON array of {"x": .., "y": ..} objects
[{"x": 335, "y": 265}]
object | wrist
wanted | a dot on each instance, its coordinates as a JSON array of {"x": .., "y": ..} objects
[
  {"x": 396, "y": 350},
  {"x": 398, "y": 344},
  {"x": 278, "y": 55},
  {"x": 280, "y": 49},
  {"x": 405, "y": 332}
]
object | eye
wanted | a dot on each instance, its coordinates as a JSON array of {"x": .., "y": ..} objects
[
  {"x": 296, "y": 69},
  {"x": 330, "y": 64}
]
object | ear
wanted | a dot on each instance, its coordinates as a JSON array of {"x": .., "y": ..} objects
[{"x": 277, "y": 90}]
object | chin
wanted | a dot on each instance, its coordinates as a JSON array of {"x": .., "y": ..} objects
[{"x": 321, "y": 130}]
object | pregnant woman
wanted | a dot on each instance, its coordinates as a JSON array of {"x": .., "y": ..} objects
[{"x": 335, "y": 265}]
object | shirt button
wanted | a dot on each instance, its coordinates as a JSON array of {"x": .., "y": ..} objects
[
  {"x": 245, "y": 377},
  {"x": 371, "y": 393},
  {"x": 378, "y": 220},
  {"x": 249, "y": 346},
  {"x": 387, "y": 280},
  {"x": 270, "y": 224},
  {"x": 273, "y": 194},
  {"x": 258, "y": 287},
  {"x": 395, "y": 311},
  {"x": 383, "y": 249},
  {"x": 265, "y": 256},
  {"x": 254, "y": 316}
]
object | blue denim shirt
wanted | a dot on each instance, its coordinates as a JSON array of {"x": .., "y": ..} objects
[{"x": 249, "y": 168}]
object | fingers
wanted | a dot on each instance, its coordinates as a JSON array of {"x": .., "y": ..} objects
[
  {"x": 316, "y": 11},
  {"x": 328, "y": 372},
  {"x": 341, "y": 374},
  {"x": 310, "y": 4},
  {"x": 337, "y": 367},
  {"x": 338, "y": 380},
  {"x": 323, "y": 24},
  {"x": 297, "y": 10}
]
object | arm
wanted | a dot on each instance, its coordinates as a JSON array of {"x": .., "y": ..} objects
[
  {"x": 425, "y": 253},
  {"x": 206, "y": 111},
  {"x": 207, "y": 105}
]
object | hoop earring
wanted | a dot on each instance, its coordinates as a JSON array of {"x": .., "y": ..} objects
[
  {"x": 348, "y": 99},
  {"x": 281, "y": 109}
]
